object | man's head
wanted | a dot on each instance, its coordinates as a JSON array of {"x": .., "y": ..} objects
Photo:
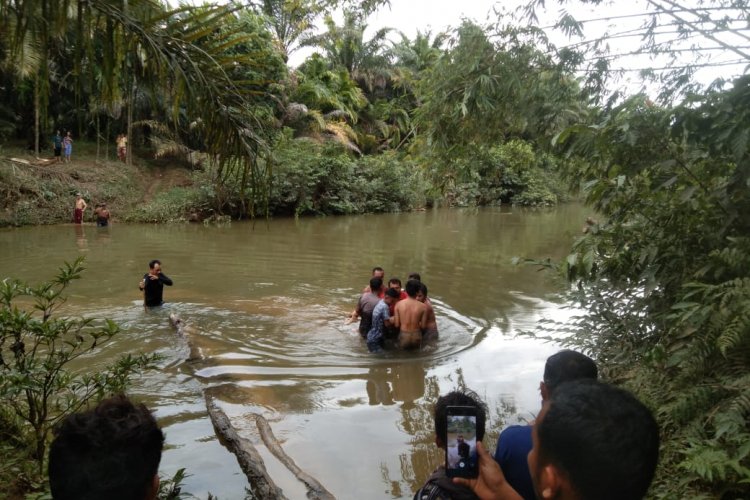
[
  {"x": 112, "y": 452},
  {"x": 391, "y": 295},
  {"x": 376, "y": 284},
  {"x": 415, "y": 276},
  {"x": 155, "y": 266},
  {"x": 592, "y": 441},
  {"x": 377, "y": 272},
  {"x": 412, "y": 288},
  {"x": 78, "y": 196},
  {"x": 422, "y": 293},
  {"x": 394, "y": 283},
  {"x": 457, "y": 398},
  {"x": 565, "y": 366}
]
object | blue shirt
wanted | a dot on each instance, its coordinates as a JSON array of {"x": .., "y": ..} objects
[
  {"x": 379, "y": 315},
  {"x": 513, "y": 447}
]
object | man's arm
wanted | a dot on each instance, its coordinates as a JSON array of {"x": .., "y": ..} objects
[
  {"x": 397, "y": 317},
  {"x": 491, "y": 483},
  {"x": 165, "y": 279},
  {"x": 423, "y": 318}
]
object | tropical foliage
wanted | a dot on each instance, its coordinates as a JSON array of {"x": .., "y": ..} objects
[{"x": 38, "y": 385}]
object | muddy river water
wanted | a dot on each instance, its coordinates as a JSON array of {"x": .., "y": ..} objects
[{"x": 267, "y": 303}]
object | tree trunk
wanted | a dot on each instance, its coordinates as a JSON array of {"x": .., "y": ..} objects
[{"x": 36, "y": 115}]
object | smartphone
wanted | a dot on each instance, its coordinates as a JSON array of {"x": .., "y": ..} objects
[{"x": 461, "y": 458}]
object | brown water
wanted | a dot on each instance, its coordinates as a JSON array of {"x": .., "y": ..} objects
[{"x": 268, "y": 304}]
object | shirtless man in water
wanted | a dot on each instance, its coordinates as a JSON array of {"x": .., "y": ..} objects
[
  {"x": 430, "y": 331},
  {"x": 80, "y": 207},
  {"x": 410, "y": 317}
]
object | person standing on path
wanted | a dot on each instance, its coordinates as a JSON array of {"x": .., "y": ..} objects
[
  {"x": 152, "y": 284},
  {"x": 80, "y": 207},
  {"x": 57, "y": 144},
  {"x": 68, "y": 146}
]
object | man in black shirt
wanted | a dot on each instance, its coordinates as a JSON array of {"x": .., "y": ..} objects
[{"x": 152, "y": 284}]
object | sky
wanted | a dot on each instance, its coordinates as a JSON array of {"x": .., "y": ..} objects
[{"x": 408, "y": 16}]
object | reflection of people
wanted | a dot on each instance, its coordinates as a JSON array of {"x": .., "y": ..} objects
[
  {"x": 79, "y": 208},
  {"x": 381, "y": 319},
  {"x": 112, "y": 451},
  {"x": 102, "y": 215},
  {"x": 410, "y": 317},
  {"x": 514, "y": 443},
  {"x": 591, "y": 441},
  {"x": 438, "y": 485},
  {"x": 153, "y": 283},
  {"x": 378, "y": 388}
]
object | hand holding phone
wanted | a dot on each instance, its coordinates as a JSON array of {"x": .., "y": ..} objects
[{"x": 461, "y": 458}]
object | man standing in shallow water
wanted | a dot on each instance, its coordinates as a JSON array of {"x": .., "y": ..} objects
[
  {"x": 80, "y": 207},
  {"x": 152, "y": 284},
  {"x": 410, "y": 317}
]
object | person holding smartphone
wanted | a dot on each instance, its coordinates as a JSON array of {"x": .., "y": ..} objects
[
  {"x": 458, "y": 414},
  {"x": 152, "y": 284}
]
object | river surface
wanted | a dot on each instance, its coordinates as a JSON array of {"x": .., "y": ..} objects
[{"x": 267, "y": 303}]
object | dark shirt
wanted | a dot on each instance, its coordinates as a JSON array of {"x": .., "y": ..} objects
[
  {"x": 153, "y": 290},
  {"x": 513, "y": 447},
  {"x": 365, "y": 306},
  {"x": 441, "y": 487}
]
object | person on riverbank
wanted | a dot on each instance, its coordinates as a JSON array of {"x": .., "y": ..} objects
[
  {"x": 102, "y": 215},
  {"x": 514, "y": 443},
  {"x": 430, "y": 331},
  {"x": 381, "y": 319},
  {"x": 590, "y": 441},
  {"x": 112, "y": 451},
  {"x": 410, "y": 317},
  {"x": 57, "y": 144},
  {"x": 439, "y": 486},
  {"x": 152, "y": 284},
  {"x": 122, "y": 147},
  {"x": 68, "y": 146},
  {"x": 80, "y": 206}
]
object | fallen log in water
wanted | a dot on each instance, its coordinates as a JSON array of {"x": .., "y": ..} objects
[
  {"x": 248, "y": 457},
  {"x": 315, "y": 490},
  {"x": 184, "y": 331}
]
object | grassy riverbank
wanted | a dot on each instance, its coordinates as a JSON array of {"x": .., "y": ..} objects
[{"x": 35, "y": 195}]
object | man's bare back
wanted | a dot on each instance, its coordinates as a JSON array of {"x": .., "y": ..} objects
[{"x": 410, "y": 317}]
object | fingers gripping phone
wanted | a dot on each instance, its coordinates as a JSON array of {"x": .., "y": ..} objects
[{"x": 461, "y": 458}]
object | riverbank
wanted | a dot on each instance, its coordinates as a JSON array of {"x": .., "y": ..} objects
[{"x": 37, "y": 194}]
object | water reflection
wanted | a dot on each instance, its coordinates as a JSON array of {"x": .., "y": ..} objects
[{"x": 267, "y": 307}]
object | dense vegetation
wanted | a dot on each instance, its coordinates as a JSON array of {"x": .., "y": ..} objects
[
  {"x": 476, "y": 116},
  {"x": 208, "y": 87}
]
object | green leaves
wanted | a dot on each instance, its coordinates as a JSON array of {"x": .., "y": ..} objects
[{"x": 36, "y": 351}]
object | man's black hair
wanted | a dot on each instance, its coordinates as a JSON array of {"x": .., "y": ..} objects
[
  {"x": 394, "y": 280},
  {"x": 568, "y": 365},
  {"x": 602, "y": 438},
  {"x": 153, "y": 263},
  {"x": 111, "y": 452},
  {"x": 412, "y": 288},
  {"x": 415, "y": 276},
  {"x": 377, "y": 268},
  {"x": 393, "y": 293},
  {"x": 423, "y": 288},
  {"x": 376, "y": 284},
  {"x": 458, "y": 398}
]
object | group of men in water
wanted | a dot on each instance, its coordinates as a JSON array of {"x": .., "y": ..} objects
[{"x": 390, "y": 314}]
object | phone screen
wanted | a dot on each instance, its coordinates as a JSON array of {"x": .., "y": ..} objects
[{"x": 461, "y": 443}]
